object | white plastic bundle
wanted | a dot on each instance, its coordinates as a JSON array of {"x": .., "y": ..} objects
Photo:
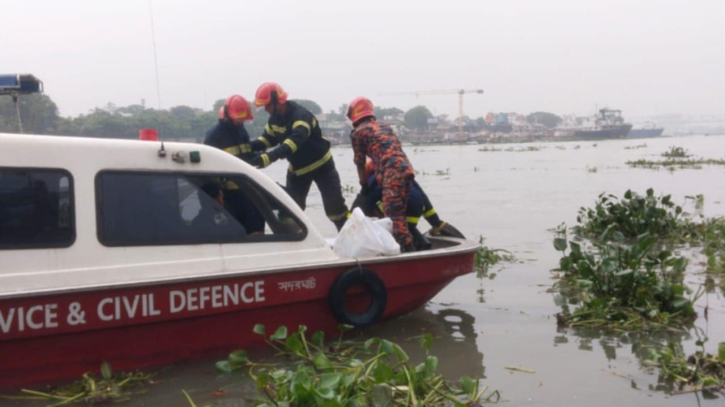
[{"x": 365, "y": 237}]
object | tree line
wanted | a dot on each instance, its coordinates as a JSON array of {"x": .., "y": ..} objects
[{"x": 39, "y": 115}]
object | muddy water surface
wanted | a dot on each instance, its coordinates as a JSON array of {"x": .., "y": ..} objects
[{"x": 482, "y": 325}]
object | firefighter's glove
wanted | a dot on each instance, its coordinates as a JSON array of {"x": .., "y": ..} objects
[
  {"x": 261, "y": 161},
  {"x": 446, "y": 229},
  {"x": 264, "y": 160}
]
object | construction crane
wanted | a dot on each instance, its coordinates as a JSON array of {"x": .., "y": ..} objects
[{"x": 459, "y": 92}]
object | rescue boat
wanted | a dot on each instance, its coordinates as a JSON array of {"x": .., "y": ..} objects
[{"x": 111, "y": 250}]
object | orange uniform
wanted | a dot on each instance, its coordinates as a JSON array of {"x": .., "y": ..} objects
[{"x": 393, "y": 171}]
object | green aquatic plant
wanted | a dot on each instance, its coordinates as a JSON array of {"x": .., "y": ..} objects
[
  {"x": 110, "y": 387},
  {"x": 487, "y": 257},
  {"x": 376, "y": 372},
  {"x": 686, "y": 374},
  {"x": 636, "y": 147},
  {"x": 634, "y": 215},
  {"x": 714, "y": 245},
  {"x": 621, "y": 284},
  {"x": 438, "y": 173},
  {"x": 672, "y": 164},
  {"x": 529, "y": 148},
  {"x": 676, "y": 152}
]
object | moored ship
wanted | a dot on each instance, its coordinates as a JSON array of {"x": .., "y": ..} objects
[
  {"x": 648, "y": 130},
  {"x": 607, "y": 124}
]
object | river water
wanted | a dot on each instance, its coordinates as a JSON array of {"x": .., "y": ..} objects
[{"x": 482, "y": 325}]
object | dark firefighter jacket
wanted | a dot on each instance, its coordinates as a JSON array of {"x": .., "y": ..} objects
[
  {"x": 299, "y": 138},
  {"x": 230, "y": 138}
]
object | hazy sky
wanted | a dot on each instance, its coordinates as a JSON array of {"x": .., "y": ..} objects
[{"x": 565, "y": 56}]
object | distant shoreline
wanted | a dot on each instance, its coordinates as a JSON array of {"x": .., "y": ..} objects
[{"x": 539, "y": 140}]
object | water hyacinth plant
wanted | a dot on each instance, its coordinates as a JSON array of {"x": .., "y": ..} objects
[
  {"x": 377, "y": 372},
  {"x": 622, "y": 285},
  {"x": 487, "y": 257},
  {"x": 671, "y": 163},
  {"x": 676, "y": 152},
  {"x": 680, "y": 373},
  {"x": 634, "y": 215},
  {"x": 714, "y": 243}
]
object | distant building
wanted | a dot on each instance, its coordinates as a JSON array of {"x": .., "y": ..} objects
[{"x": 336, "y": 131}]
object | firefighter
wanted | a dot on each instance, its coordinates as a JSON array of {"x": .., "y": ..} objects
[
  {"x": 230, "y": 135},
  {"x": 418, "y": 206},
  {"x": 393, "y": 171},
  {"x": 295, "y": 134}
]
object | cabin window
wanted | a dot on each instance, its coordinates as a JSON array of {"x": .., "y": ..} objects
[
  {"x": 146, "y": 208},
  {"x": 36, "y": 208}
]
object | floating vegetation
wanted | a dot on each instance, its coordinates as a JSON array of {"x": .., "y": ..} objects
[
  {"x": 634, "y": 215},
  {"x": 560, "y": 148},
  {"x": 523, "y": 149},
  {"x": 487, "y": 149},
  {"x": 676, "y": 152},
  {"x": 376, "y": 372},
  {"x": 109, "y": 388},
  {"x": 681, "y": 374},
  {"x": 623, "y": 277},
  {"x": 621, "y": 285},
  {"x": 577, "y": 147},
  {"x": 487, "y": 257},
  {"x": 348, "y": 189},
  {"x": 591, "y": 170},
  {"x": 714, "y": 243},
  {"x": 637, "y": 147},
  {"x": 671, "y": 164},
  {"x": 519, "y": 369},
  {"x": 530, "y": 148},
  {"x": 438, "y": 173}
]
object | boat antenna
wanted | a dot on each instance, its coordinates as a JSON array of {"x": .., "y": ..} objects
[
  {"x": 156, "y": 60},
  {"x": 162, "y": 151}
]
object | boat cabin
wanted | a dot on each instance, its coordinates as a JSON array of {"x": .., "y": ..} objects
[{"x": 78, "y": 212}]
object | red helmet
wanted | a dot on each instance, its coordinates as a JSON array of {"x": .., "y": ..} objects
[
  {"x": 236, "y": 109},
  {"x": 270, "y": 92},
  {"x": 359, "y": 108}
]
